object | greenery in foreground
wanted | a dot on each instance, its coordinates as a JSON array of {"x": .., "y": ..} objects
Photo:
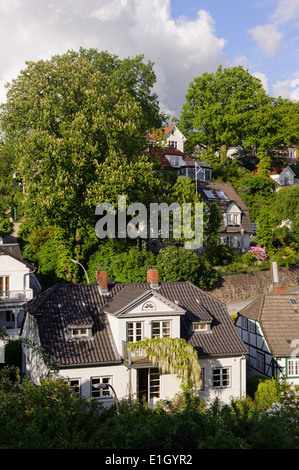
[{"x": 52, "y": 416}]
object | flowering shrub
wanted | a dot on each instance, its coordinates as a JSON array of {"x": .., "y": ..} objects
[{"x": 258, "y": 253}]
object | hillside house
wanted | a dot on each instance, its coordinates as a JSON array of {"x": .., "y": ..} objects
[
  {"x": 87, "y": 328},
  {"x": 235, "y": 229},
  {"x": 269, "y": 327},
  {"x": 170, "y": 154},
  {"x": 283, "y": 176},
  {"x": 18, "y": 284}
]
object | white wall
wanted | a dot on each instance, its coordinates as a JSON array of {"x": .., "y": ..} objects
[
  {"x": 17, "y": 271},
  {"x": 237, "y": 387}
]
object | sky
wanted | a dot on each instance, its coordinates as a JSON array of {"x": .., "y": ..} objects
[{"x": 183, "y": 39}]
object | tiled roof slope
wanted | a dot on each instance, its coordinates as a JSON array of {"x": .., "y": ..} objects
[
  {"x": 232, "y": 195},
  {"x": 74, "y": 299},
  {"x": 279, "y": 319}
]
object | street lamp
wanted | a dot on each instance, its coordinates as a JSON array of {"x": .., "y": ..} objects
[
  {"x": 77, "y": 262},
  {"x": 105, "y": 386}
]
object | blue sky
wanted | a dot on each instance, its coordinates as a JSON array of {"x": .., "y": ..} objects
[{"x": 182, "y": 38}]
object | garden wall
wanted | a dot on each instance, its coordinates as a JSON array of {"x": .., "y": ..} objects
[{"x": 237, "y": 287}]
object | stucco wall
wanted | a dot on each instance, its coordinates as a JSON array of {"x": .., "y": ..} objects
[{"x": 241, "y": 286}]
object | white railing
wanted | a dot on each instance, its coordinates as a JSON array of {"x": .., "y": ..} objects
[{"x": 16, "y": 295}]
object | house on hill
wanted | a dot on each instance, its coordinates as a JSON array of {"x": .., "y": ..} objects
[
  {"x": 235, "y": 229},
  {"x": 18, "y": 284},
  {"x": 269, "y": 327},
  {"x": 87, "y": 328},
  {"x": 283, "y": 176},
  {"x": 170, "y": 154}
]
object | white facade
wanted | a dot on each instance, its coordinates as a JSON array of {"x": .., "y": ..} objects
[
  {"x": 285, "y": 178},
  {"x": 174, "y": 138},
  {"x": 260, "y": 359},
  {"x": 16, "y": 286}
]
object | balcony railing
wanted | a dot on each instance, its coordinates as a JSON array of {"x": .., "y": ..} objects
[
  {"x": 16, "y": 295},
  {"x": 134, "y": 358}
]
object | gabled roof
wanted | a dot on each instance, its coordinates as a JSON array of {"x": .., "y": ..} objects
[
  {"x": 278, "y": 316},
  {"x": 223, "y": 204},
  {"x": 222, "y": 340},
  {"x": 14, "y": 251}
]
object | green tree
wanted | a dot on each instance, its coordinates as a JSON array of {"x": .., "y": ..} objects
[
  {"x": 219, "y": 107},
  {"x": 231, "y": 108},
  {"x": 76, "y": 132}
]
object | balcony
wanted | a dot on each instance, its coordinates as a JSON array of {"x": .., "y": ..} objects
[
  {"x": 15, "y": 296},
  {"x": 134, "y": 358}
]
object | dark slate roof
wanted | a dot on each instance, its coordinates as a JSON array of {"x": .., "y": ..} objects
[
  {"x": 75, "y": 300},
  {"x": 279, "y": 320},
  {"x": 232, "y": 196}
]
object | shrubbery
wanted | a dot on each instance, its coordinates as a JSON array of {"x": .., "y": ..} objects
[{"x": 52, "y": 416}]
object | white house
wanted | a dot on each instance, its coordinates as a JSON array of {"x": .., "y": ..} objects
[
  {"x": 87, "y": 328},
  {"x": 235, "y": 229},
  {"x": 269, "y": 327},
  {"x": 283, "y": 176},
  {"x": 171, "y": 154},
  {"x": 17, "y": 284}
]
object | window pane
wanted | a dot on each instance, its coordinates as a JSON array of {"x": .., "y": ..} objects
[{"x": 154, "y": 383}]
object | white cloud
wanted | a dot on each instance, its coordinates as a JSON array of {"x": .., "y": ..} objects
[
  {"x": 263, "y": 78},
  {"x": 288, "y": 88},
  {"x": 286, "y": 10},
  {"x": 180, "y": 49},
  {"x": 268, "y": 38}
]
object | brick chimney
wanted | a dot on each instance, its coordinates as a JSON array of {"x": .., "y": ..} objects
[
  {"x": 280, "y": 290},
  {"x": 153, "y": 277},
  {"x": 102, "y": 281}
]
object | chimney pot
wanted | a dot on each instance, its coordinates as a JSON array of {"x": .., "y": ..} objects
[
  {"x": 102, "y": 280},
  {"x": 153, "y": 277}
]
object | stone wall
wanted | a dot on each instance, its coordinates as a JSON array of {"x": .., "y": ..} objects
[{"x": 242, "y": 286}]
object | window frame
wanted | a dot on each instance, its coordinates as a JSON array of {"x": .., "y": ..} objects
[
  {"x": 134, "y": 332},
  {"x": 294, "y": 364},
  {"x": 222, "y": 379},
  {"x": 101, "y": 394},
  {"x": 161, "y": 328}
]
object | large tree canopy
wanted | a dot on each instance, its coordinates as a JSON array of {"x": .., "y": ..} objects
[
  {"x": 230, "y": 108},
  {"x": 70, "y": 123}
]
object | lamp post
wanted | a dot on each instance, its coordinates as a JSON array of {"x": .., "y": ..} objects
[
  {"x": 105, "y": 386},
  {"x": 77, "y": 262}
]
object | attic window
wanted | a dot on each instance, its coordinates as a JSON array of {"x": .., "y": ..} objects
[
  {"x": 80, "y": 332},
  {"x": 198, "y": 327},
  {"x": 293, "y": 301}
]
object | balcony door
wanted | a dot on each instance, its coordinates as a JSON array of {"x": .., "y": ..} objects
[{"x": 148, "y": 384}]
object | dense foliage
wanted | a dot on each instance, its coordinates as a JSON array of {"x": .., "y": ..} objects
[{"x": 52, "y": 416}]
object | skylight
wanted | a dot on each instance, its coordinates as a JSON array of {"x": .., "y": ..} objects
[
  {"x": 222, "y": 195},
  {"x": 209, "y": 194}
]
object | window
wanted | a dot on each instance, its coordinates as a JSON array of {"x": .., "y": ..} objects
[
  {"x": 252, "y": 326},
  {"x": 293, "y": 301},
  {"x": 260, "y": 362},
  {"x": 81, "y": 332},
  {"x": 221, "y": 377},
  {"x": 134, "y": 332},
  {"x": 221, "y": 195},
  {"x": 9, "y": 316},
  {"x": 293, "y": 367},
  {"x": 160, "y": 329},
  {"x": 202, "y": 376},
  {"x": 291, "y": 153},
  {"x": 4, "y": 286},
  {"x": 197, "y": 327},
  {"x": 174, "y": 160},
  {"x": 172, "y": 144},
  {"x": 209, "y": 194},
  {"x": 233, "y": 219},
  {"x": 97, "y": 391},
  {"x": 244, "y": 323},
  {"x": 75, "y": 385}
]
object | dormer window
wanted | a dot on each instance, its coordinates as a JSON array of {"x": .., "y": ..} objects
[
  {"x": 233, "y": 219},
  {"x": 201, "y": 326},
  {"x": 80, "y": 332}
]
